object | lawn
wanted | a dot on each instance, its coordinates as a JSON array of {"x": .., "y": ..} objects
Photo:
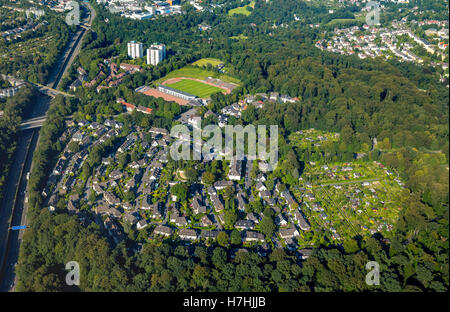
[
  {"x": 242, "y": 10},
  {"x": 206, "y": 61},
  {"x": 202, "y": 90},
  {"x": 239, "y": 37},
  {"x": 198, "y": 73},
  {"x": 346, "y": 21}
]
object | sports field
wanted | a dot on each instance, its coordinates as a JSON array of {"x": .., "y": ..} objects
[
  {"x": 242, "y": 10},
  {"x": 197, "y": 73},
  {"x": 202, "y": 90}
]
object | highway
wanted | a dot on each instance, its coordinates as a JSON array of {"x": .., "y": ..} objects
[{"x": 13, "y": 208}]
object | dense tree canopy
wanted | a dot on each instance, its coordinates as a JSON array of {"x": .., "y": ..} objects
[{"x": 403, "y": 106}]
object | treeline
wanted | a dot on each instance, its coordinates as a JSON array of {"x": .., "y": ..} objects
[{"x": 58, "y": 239}]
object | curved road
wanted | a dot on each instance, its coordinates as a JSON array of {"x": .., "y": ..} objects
[{"x": 14, "y": 206}]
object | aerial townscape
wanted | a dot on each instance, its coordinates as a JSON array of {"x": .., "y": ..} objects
[{"x": 355, "y": 108}]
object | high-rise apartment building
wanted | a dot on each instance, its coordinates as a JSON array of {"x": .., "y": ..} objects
[
  {"x": 135, "y": 49},
  {"x": 156, "y": 53}
]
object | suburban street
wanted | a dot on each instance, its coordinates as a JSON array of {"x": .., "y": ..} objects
[{"x": 13, "y": 210}]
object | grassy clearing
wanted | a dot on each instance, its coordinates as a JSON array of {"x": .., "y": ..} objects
[
  {"x": 239, "y": 37},
  {"x": 242, "y": 10},
  {"x": 198, "y": 73},
  {"x": 339, "y": 21},
  {"x": 345, "y": 21},
  {"x": 194, "y": 87},
  {"x": 206, "y": 61}
]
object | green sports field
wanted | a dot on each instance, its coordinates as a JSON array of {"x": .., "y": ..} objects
[
  {"x": 242, "y": 10},
  {"x": 198, "y": 73},
  {"x": 202, "y": 90}
]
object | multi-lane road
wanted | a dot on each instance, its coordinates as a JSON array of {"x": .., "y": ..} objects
[{"x": 13, "y": 208}]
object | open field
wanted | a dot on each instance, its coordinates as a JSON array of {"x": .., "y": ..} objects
[
  {"x": 242, "y": 10},
  {"x": 239, "y": 37},
  {"x": 202, "y": 90},
  {"x": 339, "y": 21},
  {"x": 206, "y": 61},
  {"x": 197, "y": 73}
]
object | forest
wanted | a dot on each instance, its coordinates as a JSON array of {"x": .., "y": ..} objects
[{"x": 403, "y": 106}]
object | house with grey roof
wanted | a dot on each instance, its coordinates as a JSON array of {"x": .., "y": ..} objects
[
  {"x": 197, "y": 206},
  {"x": 244, "y": 225},
  {"x": 288, "y": 233},
  {"x": 187, "y": 234},
  {"x": 163, "y": 230},
  {"x": 301, "y": 219},
  {"x": 209, "y": 234},
  {"x": 250, "y": 236}
]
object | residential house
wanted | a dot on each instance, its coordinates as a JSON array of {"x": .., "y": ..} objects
[
  {"x": 260, "y": 187},
  {"x": 130, "y": 218},
  {"x": 206, "y": 221},
  {"x": 181, "y": 221},
  {"x": 244, "y": 225},
  {"x": 302, "y": 221},
  {"x": 197, "y": 206},
  {"x": 235, "y": 169},
  {"x": 288, "y": 233},
  {"x": 141, "y": 224},
  {"x": 147, "y": 202},
  {"x": 289, "y": 199},
  {"x": 187, "y": 234},
  {"x": 163, "y": 230},
  {"x": 241, "y": 201},
  {"x": 251, "y": 236},
  {"x": 252, "y": 217},
  {"x": 217, "y": 203},
  {"x": 209, "y": 234},
  {"x": 303, "y": 254},
  {"x": 220, "y": 185},
  {"x": 280, "y": 220},
  {"x": 111, "y": 199}
]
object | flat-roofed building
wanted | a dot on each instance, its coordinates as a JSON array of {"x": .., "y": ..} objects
[
  {"x": 176, "y": 93},
  {"x": 135, "y": 49},
  {"x": 156, "y": 54}
]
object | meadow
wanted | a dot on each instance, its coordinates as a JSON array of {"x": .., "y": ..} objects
[
  {"x": 242, "y": 10},
  {"x": 206, "y": 61}
]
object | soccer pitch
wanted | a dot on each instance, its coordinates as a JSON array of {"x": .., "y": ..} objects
[
  {"x": 242, "y": 10},
  {"x": 202, "y": 90}
]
